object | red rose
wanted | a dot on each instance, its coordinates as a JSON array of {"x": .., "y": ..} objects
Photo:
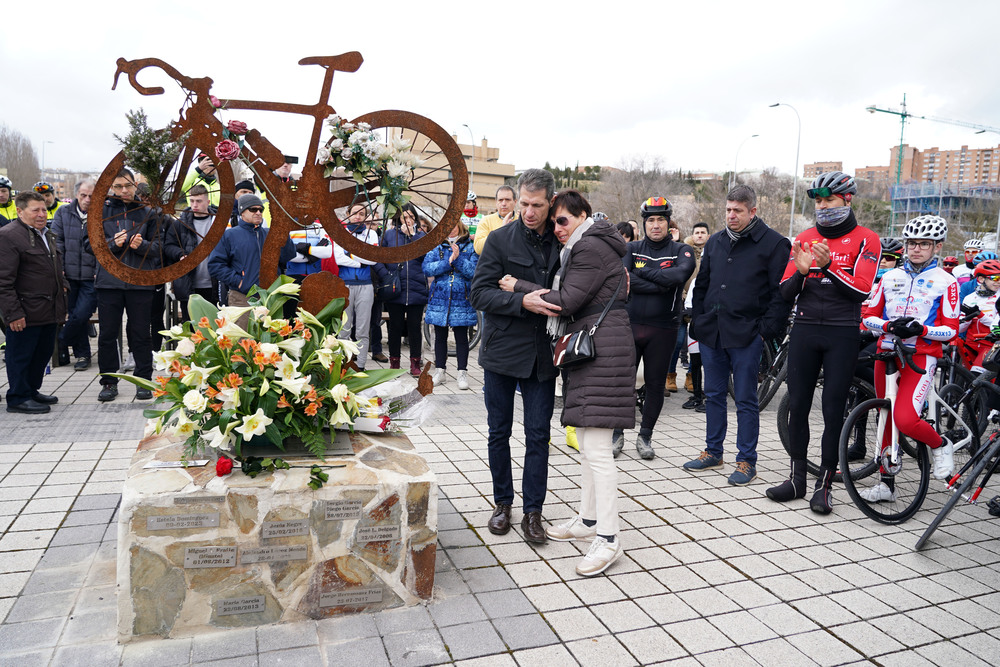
[
  {"x": 227, "y": 149},
  {"x": 215, "y": 101},
  {"x": 237, "y": 127},
  {"x": 385, "y": 422},
  {"x": 223, "y": 466}
]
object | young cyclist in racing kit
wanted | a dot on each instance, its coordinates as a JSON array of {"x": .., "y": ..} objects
[
  {"x": 964, "y": 272},
  {"x": 829, "y": 275},
  {"x": 987, "y": 277},
  {"x": 917, "y": 303},
  {"x": 892, "y": 253}
]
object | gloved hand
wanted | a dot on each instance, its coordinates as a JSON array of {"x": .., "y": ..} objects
[
  {"x": 302, "y": 248},
  {"x": 905, "y": 327},
  {"x": 324, "y": 241}
]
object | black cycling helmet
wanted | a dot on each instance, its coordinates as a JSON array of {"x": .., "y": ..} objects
[
  {"x": 833, "y": 183},
  {"x": 41, "y": 187},
  {"x": 892, "y": 247},
  {"x": 656, "y": 206}
]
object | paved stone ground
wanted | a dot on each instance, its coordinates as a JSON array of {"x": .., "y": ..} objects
[{"x": 713, "y": 574}]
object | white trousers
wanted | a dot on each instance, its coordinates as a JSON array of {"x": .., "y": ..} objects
[{"x": 599, "y": 483}]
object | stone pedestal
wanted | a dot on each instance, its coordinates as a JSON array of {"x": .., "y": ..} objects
[{"x": 198, "y": 552}]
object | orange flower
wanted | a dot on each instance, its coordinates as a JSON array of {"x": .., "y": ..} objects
[
  {"x": 259, "y": 360},
  {"x": 311, "y": 396},
  {"x": 307, "y": 334},
  {"x": 274, "y": 359},
  {"x": 159, "y": 393},
  {"x": 237, "y": 358},
  {"x": 220, "y": 321},
  {"x": 175, "y": 367},
  {"x": 248, "y": 345},
  {"x": 224, "y": 343},
  {"x": 283, "y": 403},
  {"x": 285, "y": 331},
  {"x": 163, "y": 380},
  {"x": 197, "y": 338},
  {"x": 234, "y": 380},
  {"x": 216, "y": 407},
  {"x": 299, "y": 326},
  {"x": 211, "y": 393},
  {"x": 312, "y": 409},
  {"x": 204, "y": 323}
]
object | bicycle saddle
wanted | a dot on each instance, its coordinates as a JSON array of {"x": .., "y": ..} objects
[{"x": 345, "y": 62}]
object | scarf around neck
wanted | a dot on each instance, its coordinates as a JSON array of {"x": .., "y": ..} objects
[
  {"x": 556, "y": 324},
  {"x": 736, "y": 236}
]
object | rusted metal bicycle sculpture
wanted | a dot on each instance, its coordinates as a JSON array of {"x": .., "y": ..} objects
[{"x": 437, "y": 189}]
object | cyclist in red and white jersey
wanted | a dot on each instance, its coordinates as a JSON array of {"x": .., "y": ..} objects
[
  {"x": 917, "y": 303},
  {"x": 985, "y": 299},
  {"x": 964, "y": 272}
]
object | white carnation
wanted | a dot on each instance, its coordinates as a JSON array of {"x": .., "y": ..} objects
[{"x": 195, "y": 401}]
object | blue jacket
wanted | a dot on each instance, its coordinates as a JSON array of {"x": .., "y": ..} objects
[
  {"x": 70, "y": 231},
  {"x": 411, "y": 274},
  {"x": 354, "y": 270},
  {"x": 235, "y": 262},
  {"x": 449, "y": 302}
]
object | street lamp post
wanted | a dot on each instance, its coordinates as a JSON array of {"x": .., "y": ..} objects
[
  {"x": 472, "y": 156},
  {"x": 43, "y": 152},
  {"x": 732, "y": 178},
  {"x": 795, "y": 176}
]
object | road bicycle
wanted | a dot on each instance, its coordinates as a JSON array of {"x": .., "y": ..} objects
[
  {"x": 986, "y": 459},
  {"x": 891, "y": 459},
  {"x": 437, "y": 188}
]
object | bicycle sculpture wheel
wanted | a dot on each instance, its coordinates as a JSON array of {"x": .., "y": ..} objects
[{"x": 401, "y": 156}]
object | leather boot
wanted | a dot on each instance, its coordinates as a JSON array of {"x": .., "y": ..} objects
[
  {"x": 793, "y": 487},
  {"x": 393, "y": 362},
  {"x": 415, "y": 366},
  {"x": 671, "y": 382},
  {"x": 822, "y": 500},
  {"x": 689, "y": 383}
]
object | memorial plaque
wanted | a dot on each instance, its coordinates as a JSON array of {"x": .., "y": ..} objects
[
  {"x": 239, "y": 606},
  {"x": 195, "y": 463},
  {"x": 354, "y": 597},
  {"x": 344, "y": 510},
  {"x": 377, "y": 533},
  {"x": 182, "y": 521},
  {"x": 191, "y": 500},
  {"x": 195, "y": 557},
  {"x": 272, "y": 554},
  {"x": 290, "y": 528}
]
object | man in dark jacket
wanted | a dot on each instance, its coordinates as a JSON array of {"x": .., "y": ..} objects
[
  {"x": 182, "y": 238},
  {"x": 516, "y": 350},
  {"x": 736, "y": 305},
  {"x": 658, "y": 267},
  {"x": 132, "y": 232},
  {"x": 32, "y": 302},
  {"x": 70, "y": 227},
  {"x": 235, "y": 262}
]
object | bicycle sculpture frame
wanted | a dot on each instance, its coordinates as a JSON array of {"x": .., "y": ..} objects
[{"x": 440, "y": 186}]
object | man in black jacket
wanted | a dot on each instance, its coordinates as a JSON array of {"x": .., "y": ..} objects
[
  {"x": 70, "y": 227},
  {"x": 180, "y": 240},
  {"x": 132, "y": 232},
  {"x": 516, "y": 351},
  {"x": 736, "y": 305},
  {"x": 658, "y": 267}
]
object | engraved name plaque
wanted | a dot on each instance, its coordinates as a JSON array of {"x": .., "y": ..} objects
[
  {"x": 377, "y": 533},
  {"x": 357, "y": 596},
  {"x": 285, "y": 528},
  {"x": 239, "y": 606},
  {"x": 272, "y": 554},
  {"x": 343, "y": 510},
  {"x": 182, "y": 521},
  {"x": 210, "y": 557}
]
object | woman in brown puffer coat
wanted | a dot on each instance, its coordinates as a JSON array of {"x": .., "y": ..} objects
[{"x": 599, "y": 395}]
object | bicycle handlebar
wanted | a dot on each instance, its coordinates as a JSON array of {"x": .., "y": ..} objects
[
  {"x": 898, "y": 351},
  {"x": 133, "y": 67}
]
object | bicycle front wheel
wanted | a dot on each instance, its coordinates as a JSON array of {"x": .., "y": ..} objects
[{"x": 888, "y": 494}]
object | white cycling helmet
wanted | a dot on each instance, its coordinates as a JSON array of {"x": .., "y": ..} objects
[
  {"x": 5, "y": 183},
  {"x": 974, "y": 244},
  {"x": 932, "y": 227},
  {"x": 471, "y": 196}
]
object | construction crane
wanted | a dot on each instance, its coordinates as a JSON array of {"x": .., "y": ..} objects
[{"x": 904, "y": 114}]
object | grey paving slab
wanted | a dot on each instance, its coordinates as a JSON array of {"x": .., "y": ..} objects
[
  {"x": 472, "y": 640},
  {"x": 415, "y": 649},
  {"x": 368, "y": 651},
  {"x": 87, "y": 655},
  {"x": 305, "y": 655}
]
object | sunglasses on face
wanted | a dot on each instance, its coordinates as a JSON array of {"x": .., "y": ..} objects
[
  {"x": 562, "y": 221},
  {"x": 819, "y": 192},
  {"x": 255, "y": 209}
]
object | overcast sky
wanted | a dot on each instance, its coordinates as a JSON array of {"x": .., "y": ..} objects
[{"x": 584, "y": 82}]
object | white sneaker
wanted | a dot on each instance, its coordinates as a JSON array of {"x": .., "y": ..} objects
[
  {"x": 438, "y": 377},
  {"x": 600, "y": 557},
  {"x": 574, "y": 529},
  {"x": 878, "y": 493},
  {"x": 129, "y": 363},
  {"x": 463, "y": 380},
  {"x": 944, "y": 459}
]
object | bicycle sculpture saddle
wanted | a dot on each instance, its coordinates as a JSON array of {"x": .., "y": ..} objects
[{"x": 345, "y": 62}]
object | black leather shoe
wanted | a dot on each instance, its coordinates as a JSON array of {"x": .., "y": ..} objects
[
  {"x": 46, "y": 399},
  {"x": 143, "y": 394},
  {"x": 109, "y": 392},
  {"x": 82, "y": 364},
  {"x": 30, "y": 407},
  {"x": 500, "y": 521},
  {"x": 534, "y": 532}
]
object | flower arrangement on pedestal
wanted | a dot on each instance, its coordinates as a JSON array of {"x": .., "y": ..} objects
[
  {"x": 275, "y": 379},
  {"x": 357, "y": 150}
]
